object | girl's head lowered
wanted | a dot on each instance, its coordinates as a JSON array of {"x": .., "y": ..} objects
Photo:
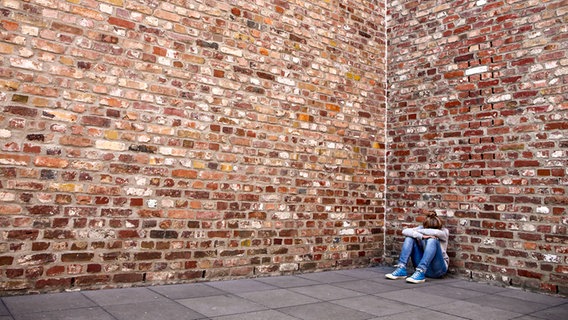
[{"x": 432, "y": 221}]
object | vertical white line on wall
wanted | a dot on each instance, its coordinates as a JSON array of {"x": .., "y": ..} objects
[{"x": 385, "y": 125}]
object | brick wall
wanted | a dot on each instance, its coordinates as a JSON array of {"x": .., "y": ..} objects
[
  {"x": 146, "y": 142},
  {"x": 478, "y": 131}
]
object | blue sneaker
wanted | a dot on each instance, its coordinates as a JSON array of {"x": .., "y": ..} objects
[
  {"x": 417, "y": 277},
  {"x": 399, "y": 273}
]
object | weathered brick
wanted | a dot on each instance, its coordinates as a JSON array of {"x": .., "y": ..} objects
[
  {"x": 22, "y": 234},
  {"x": 77, "y": 257},
  {"x": 51, "y": 162},
  {"x": 44, "y": 210},
  {"x": 121, "y": 22},
  {"x": 21, "y": 111},
  {"x": 128, "y": 277},
  {"x": 88, "y": 281},
  {"x": 6, "y": 260}
]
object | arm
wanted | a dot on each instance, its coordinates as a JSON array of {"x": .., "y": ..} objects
[
  {"x": 412, "y": 232},
  {"x": 441, "y": 234}
]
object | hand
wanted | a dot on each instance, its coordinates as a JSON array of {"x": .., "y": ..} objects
[{"x": 428, "y": 237}]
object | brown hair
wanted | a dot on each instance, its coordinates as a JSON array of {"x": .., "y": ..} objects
[{"x": 432, "y": 221}]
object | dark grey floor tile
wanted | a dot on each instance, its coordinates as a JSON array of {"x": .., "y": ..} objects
[
  {"x": 508, "y": 304},
  {"x": 69, "y": 314},
  {"x": 123, "y": 296},
  {"x": 326, "y": 292},
  {"x": 278, "y": 298},
  {"x": 6, "y": 318},
  {"x": 166, "y": 310},
  {"x": 365, "y": 286},
  {"x": 375, "y": 305},
  {"x": 477, "y": 286},
  {"x": 325, "y": 310},
  {"x": 360, "y": 273},
  {"x": 475, "y": 311},
  {"x": 288, "y": 281},
  {"x": 421, "y": 314},
  {"x": 554, "y": 313},
  {"x": 257, "y": 315},
  {"x": 243, "y": 285},
  {"x": 401, "y": 283},
  {"x": 186, "y": 291},
  {"x": 3, "y": 309},
  {"x": 215, "y": 306},
  {"x": 327, "y": 277},
  {"x": 415, "y": 297},
  {"x": 450, "y": 292},
  {"x": 46, "y": 302},
  {"x": 382, "y": 269},
  {"x": 534, "y": 297}
]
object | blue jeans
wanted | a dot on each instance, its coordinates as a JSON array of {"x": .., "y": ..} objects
[{"x": 426, "y": 255}]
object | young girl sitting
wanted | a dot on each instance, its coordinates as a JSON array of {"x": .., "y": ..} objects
[{"x": 426, "y": 246}]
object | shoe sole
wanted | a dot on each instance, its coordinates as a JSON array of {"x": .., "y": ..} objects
[
  {"x": 390, "y": 276},
  {"x": 415, "y": 281}
]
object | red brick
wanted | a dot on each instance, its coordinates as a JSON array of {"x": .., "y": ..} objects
[
  {"x": 49, "y": 162},
  {"x": 77, "y": 257},
  {"x": 91, "y": 280},
  {"x": 183, "y": 173},
  {"x": 121, "y": 22},
  {"x": 44, "y": 210},
  {"x": 22, "y": 234},
  {"x": 6, "y": 260},
  {"x": 128, "y": 277},
  {"x": 52, "y": 283}
]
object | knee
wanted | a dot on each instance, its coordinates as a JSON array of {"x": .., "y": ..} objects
[
  {"x": 432, "y": 241},
  {"x": 408, "y": 239}
]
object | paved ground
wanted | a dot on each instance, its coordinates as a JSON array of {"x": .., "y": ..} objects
[{"x": 346, "y": 295}]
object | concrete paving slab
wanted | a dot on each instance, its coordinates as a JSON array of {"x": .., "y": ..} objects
[
  {"x": 528, "y": 318},
  {"x": 421, "y": 314},
  {"x": 474, "y": 311},
  {"x": 325, "y": 310},
  {"x": 508, "y": 304},
  {"x": 477, "y": 286},
  {"x": 454, "y": 293},
  {"x": 288, "y": 281},
  {"x": 533, "y": 297},
  {"x": 327, "y": 277},
  {"x": 258, "y": 315},
  {"x": 122, "y": 296},
  {"x": 359, "y": 273},
  {"x": 278, "y": 298},
  {"x": 415, "y": 297},
  {"x": 67, "y": 314},
  {"x": 152, "y": 310},
  {"x": 215, "y": 306},
  {"x": 326, "y": 292},
  {"x": 555, "y": 313},
  {"x": 3, "y": 309},
  {"x": 243, "y": 285},
  {"x": 375, "y": 306},
  {"x": 365, "y": 286},
  {"x": 186, "y": 291},
  {"x": 46, "y": 302}
]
